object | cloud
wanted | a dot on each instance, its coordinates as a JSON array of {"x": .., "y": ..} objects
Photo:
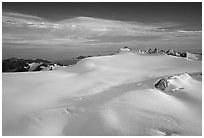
[
  {"x": 183, "y": 31},
  {"x": 19, "y": 15},
  {"x": 27, "y": 29}
]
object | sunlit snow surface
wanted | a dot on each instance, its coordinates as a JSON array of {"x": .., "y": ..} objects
[{"x": 105, "y": 95}]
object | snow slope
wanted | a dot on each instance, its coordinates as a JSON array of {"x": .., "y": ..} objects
[
  {"x": 33, "y": 66},
  {"x": 105, "y": 95}
]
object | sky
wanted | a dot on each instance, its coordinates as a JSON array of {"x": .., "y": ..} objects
[{"x": 60, "y": 31}]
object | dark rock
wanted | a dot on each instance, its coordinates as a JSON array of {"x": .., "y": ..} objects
[
  {"x": 59, "y": 64},
  {"x": 161, "y": 51},
  {"x": 14, "y": 65},
  {"x": 162, "y": 84},
  {"x": 21, "y": 65},
  {"x": 171, "y": 52},
  {"x": 184, "y": 54},
  {"x": 154, "y": 50},
  {"x": 40, "y": 67},
  {"x": 149, "y": 51},
  {"x": 82, "y": 57}
]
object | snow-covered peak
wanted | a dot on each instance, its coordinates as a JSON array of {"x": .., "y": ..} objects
[
  {"x": 84, "y": 17},
  {"x": 125, "y": 49},
  {"x": 183, "y": 76}
]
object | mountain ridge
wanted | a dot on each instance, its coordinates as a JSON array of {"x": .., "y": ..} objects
[{"x": 23, "y": 65}]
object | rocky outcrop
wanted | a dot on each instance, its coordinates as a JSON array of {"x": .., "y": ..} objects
[
  {"x": 193, "y": 56},
  {"x": 172, "y": 52},
  {"x": 155, "y": 51},
  {"x": 169, "y": 84},
  {"x": 22, "y": 65},
  {"x": 183, "y": 54},
  {"x": 40, "y": 67},
  {"x": 14, "y": 65},
  {"x": 175, "y": 53},
  {"x": 125, "y": 49},
  {"x": 82, "y": 57},
  {"x": 162, "y": 84}
]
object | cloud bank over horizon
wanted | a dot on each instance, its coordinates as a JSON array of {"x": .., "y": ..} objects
[{"x": 23, "y": 31}]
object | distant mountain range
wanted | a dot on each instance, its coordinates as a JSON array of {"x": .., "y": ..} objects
[
  {"x": 171, "y": 52},
  {"x": 25, "y": 65}
]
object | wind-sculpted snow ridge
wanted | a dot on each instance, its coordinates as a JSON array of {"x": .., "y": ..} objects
[{"x": 106, "y": 95}]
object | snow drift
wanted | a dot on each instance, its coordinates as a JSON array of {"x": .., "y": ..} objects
[{"x": 106, "y": 95}]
